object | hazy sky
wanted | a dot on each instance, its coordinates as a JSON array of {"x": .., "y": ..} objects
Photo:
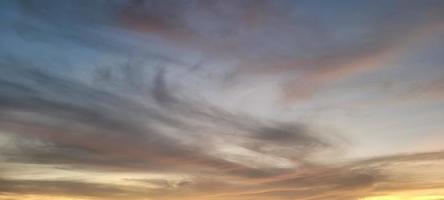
[{"x": 221, "y": 100}]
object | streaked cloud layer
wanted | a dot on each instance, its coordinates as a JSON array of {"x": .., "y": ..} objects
[{"x": 232, "y": 100}]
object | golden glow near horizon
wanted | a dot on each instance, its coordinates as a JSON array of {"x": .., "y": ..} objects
[
  {"x": 221, "y": 100},
  {"x": 402, "y": 197}
]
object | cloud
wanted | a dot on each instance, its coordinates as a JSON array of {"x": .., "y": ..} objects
[
  {"x": 68, "y": 188},
  {"x": 266, "y": 37},
  {"x": 80, "y": 123},
  {"x": 64, "y": 122},
  {"x": 377, "y": 176},
  {"x": 137, "y": 117},
  {"x": 75, "y": 124}
]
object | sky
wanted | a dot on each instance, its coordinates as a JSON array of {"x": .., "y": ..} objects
[{"x": 221, "y": 100}]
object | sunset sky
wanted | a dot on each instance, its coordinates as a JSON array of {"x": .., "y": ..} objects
[{"x": 221, "y": 100}]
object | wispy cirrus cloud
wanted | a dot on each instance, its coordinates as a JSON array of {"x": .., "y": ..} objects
[
  {"x": 129, "y": 99},
  {"x": 109, "y": 131},
  {"x": 83, "y": 121}
]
